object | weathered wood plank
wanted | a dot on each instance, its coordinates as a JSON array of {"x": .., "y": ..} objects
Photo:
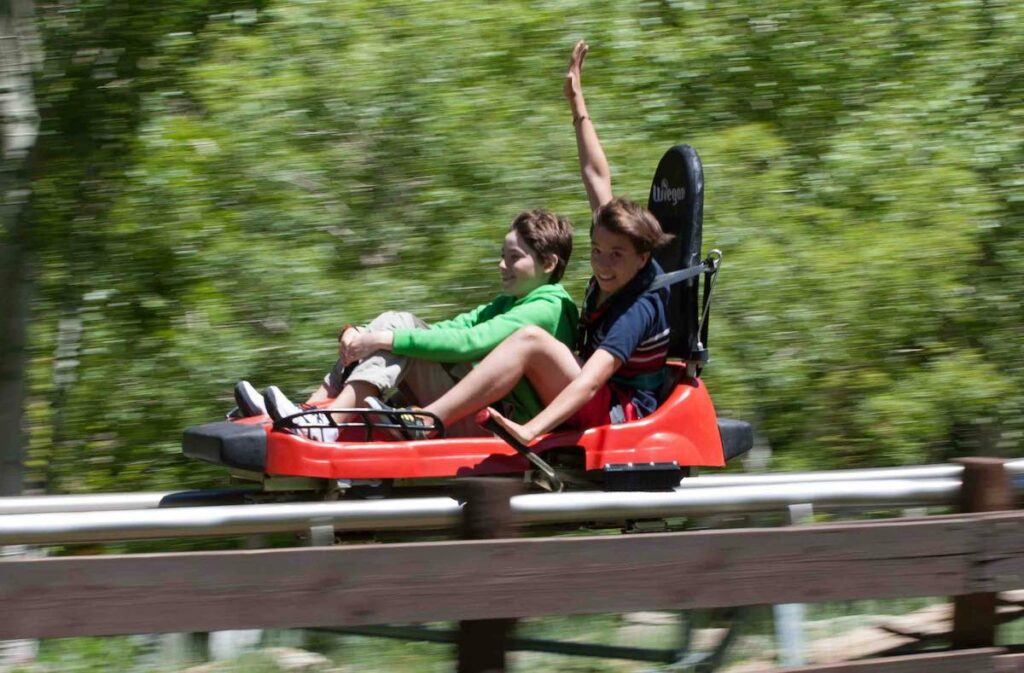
[
  {"x": 1010, "y": 663},
  {"x": 205, "y": 591},
  {"x": 973, "y": 661}
]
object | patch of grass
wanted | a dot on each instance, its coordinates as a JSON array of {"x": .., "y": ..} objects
[{"x": 90, "y": 655}]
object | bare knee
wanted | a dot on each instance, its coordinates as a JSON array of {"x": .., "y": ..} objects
[
  {"x": 393, "y": 320},
  {"x": 528, "y": 334},
  {"x": 531, "y": 338}
]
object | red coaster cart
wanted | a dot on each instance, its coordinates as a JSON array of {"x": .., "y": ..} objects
[{"x": 653, "y": 453}]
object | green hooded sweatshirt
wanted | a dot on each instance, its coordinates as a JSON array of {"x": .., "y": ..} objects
[{"x": 469, "y": 337}]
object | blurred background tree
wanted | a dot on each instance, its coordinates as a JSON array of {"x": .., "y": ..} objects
[
  {"x": 220, "y": 184},
  {"x": 19, "y": 56}
]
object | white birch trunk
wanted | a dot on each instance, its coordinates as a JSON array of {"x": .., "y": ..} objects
[{"x": 19, "y": 56}]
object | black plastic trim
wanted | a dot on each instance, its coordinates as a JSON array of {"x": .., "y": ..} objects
[
  {"x": 737, "y": 437},
  {"x": 238, "y": 445}
]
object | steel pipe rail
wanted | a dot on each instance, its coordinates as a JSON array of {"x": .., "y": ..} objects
[
  {"x": 949, "y": 471},
  {"x": 106, "y": 502},
  {"x": 92, "y": 502},
  {"x": 582, "y": 507},
  {"x": 70, "y": 527},
  {"x": 439, "y": 513},
  {"x": 942, "y": 471}
]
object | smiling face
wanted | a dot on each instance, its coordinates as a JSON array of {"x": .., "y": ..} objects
[
  {"x": 614, "y": 260},
  {"x": 521, "y": 270}
]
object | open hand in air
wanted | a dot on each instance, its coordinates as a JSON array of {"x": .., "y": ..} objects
[{"x": 573, "y": 83}]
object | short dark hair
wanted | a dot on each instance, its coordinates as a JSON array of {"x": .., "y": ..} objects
[
  {"x": 622, "y": 216},
  {"x": 548, "y": 235}
]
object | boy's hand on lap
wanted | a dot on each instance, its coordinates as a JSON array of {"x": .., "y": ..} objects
[
  {"x": 355, "y": 345},
  {"x": 345, "y": 344}
]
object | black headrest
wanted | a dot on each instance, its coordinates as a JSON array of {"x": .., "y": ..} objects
[{"x": 677, "y": 200}]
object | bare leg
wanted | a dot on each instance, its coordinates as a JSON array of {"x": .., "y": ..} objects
[
  {"x": 319, "y": 395},
  {"x": 353, "y": 396},
  {"x": 545, "y": 361},
  {"x": 427, "y": 381},
  {"x": 372, "y": 375}
]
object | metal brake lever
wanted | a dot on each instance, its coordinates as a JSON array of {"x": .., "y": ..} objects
[{"x": 550, "y": 479}]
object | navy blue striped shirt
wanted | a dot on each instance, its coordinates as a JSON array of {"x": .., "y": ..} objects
[{"x": 633, "y": 326}]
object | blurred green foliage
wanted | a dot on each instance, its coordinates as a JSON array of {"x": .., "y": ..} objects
[{"x": 224, "y": 182}]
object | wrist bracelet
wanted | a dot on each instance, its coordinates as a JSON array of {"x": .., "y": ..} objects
[{"x": 576, "y": 119}]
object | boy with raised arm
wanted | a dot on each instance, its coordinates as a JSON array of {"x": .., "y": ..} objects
[{"x": 617, "y": 369}]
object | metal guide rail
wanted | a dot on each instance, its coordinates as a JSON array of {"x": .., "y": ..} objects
[
  {"x": 442, "y": 512},
  {"x": 96, "y": 502}
]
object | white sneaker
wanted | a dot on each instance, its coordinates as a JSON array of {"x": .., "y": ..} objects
[
  {"x": 279, "y": 406},
  {"x": 249, "y": 402}
]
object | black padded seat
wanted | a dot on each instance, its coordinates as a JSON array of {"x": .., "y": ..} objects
[
  {"x": 737, "y": 437},
  {"x": 677, "y": 201}
]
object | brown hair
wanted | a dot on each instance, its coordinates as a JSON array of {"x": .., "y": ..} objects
[
  {"x": 548, "y": 235},
  {"x": 622, "y": 216}
]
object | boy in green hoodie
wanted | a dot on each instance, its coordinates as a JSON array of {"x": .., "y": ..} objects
[{"x": 397, "y": 349}]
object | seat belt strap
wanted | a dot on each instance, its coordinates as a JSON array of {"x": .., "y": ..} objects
[{"x": 673, "y": 277}]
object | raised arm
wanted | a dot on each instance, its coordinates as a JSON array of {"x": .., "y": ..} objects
[{"x": 597, "y": 177}]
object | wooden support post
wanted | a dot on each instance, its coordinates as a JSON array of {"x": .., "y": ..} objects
[
  {"x": 986, "y": 488},
  {"x": 487, "y": 514}
]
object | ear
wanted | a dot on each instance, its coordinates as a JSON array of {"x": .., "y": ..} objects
[
  {"x": 646, "y": 257},
  {"x": 550, "y": 263}
]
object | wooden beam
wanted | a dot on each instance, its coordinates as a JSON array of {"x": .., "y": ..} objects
[
  {"x": 1010, "y": 663},
  {"x": 488, "y": 579},
  {"x": 975, "y": 661}
]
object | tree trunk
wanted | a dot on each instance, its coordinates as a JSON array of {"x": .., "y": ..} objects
[
  {"x": 14, "y": 292},
  {"x": 19, "y": 55}
]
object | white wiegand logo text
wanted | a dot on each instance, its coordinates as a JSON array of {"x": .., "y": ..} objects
[{"x": 665, "y": 192}]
